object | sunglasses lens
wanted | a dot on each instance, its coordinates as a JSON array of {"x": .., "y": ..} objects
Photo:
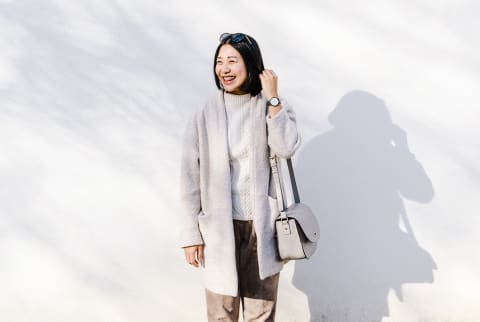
[
  {"x": 236, "y": 38},
  {"x": 224, "y": 36}
]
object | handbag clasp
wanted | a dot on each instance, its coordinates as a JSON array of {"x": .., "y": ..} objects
[{"x": 285, "y": 225}]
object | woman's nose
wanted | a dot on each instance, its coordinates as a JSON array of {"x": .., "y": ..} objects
[{"x": 225, "y": 69}]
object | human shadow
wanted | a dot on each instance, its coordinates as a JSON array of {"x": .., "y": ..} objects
[{"x": 355, "y": 177}]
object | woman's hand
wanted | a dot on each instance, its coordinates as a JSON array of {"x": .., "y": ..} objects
[
  {"x": 194, "y": 255},
  {"x": 268, "y": 78}
]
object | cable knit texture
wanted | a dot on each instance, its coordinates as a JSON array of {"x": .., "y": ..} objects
[
  {"x": 206, "y": 215},
  {"x": 238, "y": 129}
]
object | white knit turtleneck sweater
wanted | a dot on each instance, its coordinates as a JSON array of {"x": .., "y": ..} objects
[{"x": 238, "y": 121}]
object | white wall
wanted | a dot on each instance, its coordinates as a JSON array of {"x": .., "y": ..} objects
[{"x": 93, "y": 99}]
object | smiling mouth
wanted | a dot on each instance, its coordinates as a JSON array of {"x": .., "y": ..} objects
[{"x": 228, "y": 79}]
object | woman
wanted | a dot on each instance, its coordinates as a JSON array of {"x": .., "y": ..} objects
[{"x": 227, "y": 195}]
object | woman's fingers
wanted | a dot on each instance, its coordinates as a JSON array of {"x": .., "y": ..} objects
[
  {"x": 191, "y": 258},
  {"x": 200, "y": 255},
  {"x": 269, "y": 80},
  {"x": 268, "y": 74},
  {"x": 200, "y": 252},
  {"x": 194, "y": 255}
]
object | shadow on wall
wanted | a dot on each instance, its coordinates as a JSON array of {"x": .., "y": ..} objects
[{"x": 355, "y": 177}]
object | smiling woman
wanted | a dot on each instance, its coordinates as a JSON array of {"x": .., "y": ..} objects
[
  {"x": 230, "y": 70},
  {"x": 227, "y": 222}
]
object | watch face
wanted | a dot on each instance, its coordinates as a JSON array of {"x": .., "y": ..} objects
[{"x": 274, "y": 101}]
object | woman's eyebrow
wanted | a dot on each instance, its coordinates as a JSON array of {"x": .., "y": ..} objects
[{"x": 228, "y": 57}]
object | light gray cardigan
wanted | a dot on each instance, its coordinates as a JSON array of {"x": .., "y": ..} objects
[{"x": 205, "y": 185}]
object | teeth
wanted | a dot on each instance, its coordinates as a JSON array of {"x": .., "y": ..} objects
[{"x": 227, "y": 78}]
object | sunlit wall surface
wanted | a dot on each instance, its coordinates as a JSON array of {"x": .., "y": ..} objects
[{"x": 94, "y": 96}]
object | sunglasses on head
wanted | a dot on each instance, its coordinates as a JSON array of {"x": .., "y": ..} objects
[{"x": 226, "y": 38}]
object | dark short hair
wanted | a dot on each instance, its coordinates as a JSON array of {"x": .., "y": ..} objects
[{"x": 250, "y": 52}]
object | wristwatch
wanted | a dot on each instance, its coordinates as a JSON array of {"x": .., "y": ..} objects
[{"x": 274, "y": 101}]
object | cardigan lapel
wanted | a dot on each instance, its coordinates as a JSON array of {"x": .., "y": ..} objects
[
  {"x": 223, "y": 176},
  {"x": 258, "y": 147}
]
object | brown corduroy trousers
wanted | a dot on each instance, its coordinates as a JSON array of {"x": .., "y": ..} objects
[{"x": 258, "y": 297}]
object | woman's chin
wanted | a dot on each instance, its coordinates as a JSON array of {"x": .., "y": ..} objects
[{"x": 233, "y": 90}]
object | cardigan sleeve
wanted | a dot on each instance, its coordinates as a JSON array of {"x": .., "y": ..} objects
[
  {"x": 190, "y": 200},
  {"x": 283, "y": 137}
]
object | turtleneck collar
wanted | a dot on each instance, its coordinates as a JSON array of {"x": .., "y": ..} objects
[{"x": 236, "y": 100}]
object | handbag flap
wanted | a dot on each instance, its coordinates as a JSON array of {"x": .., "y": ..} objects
[{"x": 306, "y": 218}]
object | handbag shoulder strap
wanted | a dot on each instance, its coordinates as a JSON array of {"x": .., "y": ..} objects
[
  {"x": 293, "y": 182},
  {"x": 275, "y": 166}
]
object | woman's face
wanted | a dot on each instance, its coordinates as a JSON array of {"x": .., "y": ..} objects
[{"x": 230, "y": 69}]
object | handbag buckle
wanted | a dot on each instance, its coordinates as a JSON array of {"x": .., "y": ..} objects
[{"x": 285, "y": 225}]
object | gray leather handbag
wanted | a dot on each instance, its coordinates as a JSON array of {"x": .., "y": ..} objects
[{"x": 297, "y": 229}]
